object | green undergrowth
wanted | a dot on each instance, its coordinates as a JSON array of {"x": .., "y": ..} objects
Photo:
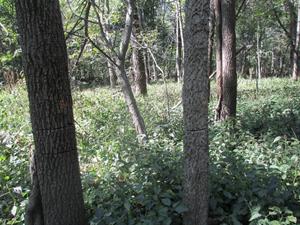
[{"x": 254, "y": 167}]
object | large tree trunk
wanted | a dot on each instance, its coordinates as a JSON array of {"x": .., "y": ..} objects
[
  {"x": 226, "y": 59},
  {"x": 56, "y": 197},
  {"x": 138, "y": 58},
  {"x": 195, "y": 113},
  {"x": 296, "y": 66}
]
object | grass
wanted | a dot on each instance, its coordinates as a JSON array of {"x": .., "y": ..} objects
[{"x": 254, "y": 171}]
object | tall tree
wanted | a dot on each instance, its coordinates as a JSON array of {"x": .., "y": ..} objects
[
  {"x": 118, "y": 58},
  {"x": 195, "y": 104},
  {"x": 138, "y": 55},
  {"x": 226, "y": 59},
  {"x": 56, "y": 196},
  {"x": 296, "y": 67}
]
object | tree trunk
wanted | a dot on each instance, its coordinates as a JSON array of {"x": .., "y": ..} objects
[
  {"x": 228, "y": 60},
  {"x": 56, "y": 197},
  {"x": 138, "y": 58},
  {"x": 195, "y": 113},
  {"x": 296, "y": 66},
  {"x": 179, "y": 65},
  {"x": 211, "y": 37},
  {"x": 258, "y": 54},
  {"x": 137, "y": 119},
  {"x": 290, "y": 7},
  {"x": 112, "y": 74},
  {"x": 147, "y": 67},
  {"x": 219, "y": 77},
  {"x": 181, "y": 37}
]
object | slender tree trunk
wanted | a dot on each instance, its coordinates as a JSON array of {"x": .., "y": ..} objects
[
  {"x": 181, "y": 37},
  {"x": 147, "y": 67},
  {"x": 195, "y": 113},
  {"x": 56, "y": 196},
  {"x": 296, "y": 67},
  {"x": 137, "y": 119},
  {"x": 228, "y": 60},
  {"x": 211, "y": 37},
  {"x": 290, "y": 7},
  {"x": 112, "y": 74},
  {"x": 258, "y": 50},
  {"x": 219, "y": 76},
  {"x": 179, "y": 65},
  {"x": 137, "y": 57}
]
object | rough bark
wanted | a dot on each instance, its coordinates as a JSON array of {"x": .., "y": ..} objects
[
  {"x": 137, "y": 57},
  {"x": 296, "y": 65},
  {"x": 219, "y": 78},
  {"x": 56, "y": 197},
  {"x": 226, "y": 59},
  {"x": 195, "y": 113},
  {"x": 211, "y": 37}
]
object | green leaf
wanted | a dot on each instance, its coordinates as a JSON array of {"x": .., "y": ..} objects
[
  {"x": 181, "y": 208},
  {"x": 255, "y": 213},
  {"x": 166, "y": 201}
]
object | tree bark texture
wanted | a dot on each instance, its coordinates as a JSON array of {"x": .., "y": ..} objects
[
  {"x": 195, "y": 112},
  {"x": 211, "y": 37},
  {"x": 296, "y": 66},
  {"x": 226, "y": 59},
  {"x": 140, "y": 78},
  {"x": 56, "y": 195},
  {"x": 179, "y": 61}
]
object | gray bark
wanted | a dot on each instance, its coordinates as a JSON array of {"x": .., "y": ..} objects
[
  {"x": 56, "y": 195},
  {"x": 195, "y": 112}
]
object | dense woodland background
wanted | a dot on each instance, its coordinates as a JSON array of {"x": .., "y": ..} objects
[{"x": 131, "y": 161}]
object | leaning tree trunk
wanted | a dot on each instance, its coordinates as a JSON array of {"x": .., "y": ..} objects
[
  {"x": 138, "y": 57},
  {"x": 296, "y": 67},
  {"x": 195, "y": 113},
  {"x": 56, "y": 197},
  {"x": 137, "y": 119}
]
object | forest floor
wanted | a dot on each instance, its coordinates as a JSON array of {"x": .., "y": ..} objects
[{"x": 254, "y": 168}]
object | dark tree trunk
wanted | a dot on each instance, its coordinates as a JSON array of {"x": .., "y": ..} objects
[
  {"x": 219, "y": 78},
  {"x": 138, "y": 58},
  {"x": 195, "y": 112},
  {"x": 147, "y": 67},
  {"x": 56, "y": 197},
  {"x": 226, "y": 59}
]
